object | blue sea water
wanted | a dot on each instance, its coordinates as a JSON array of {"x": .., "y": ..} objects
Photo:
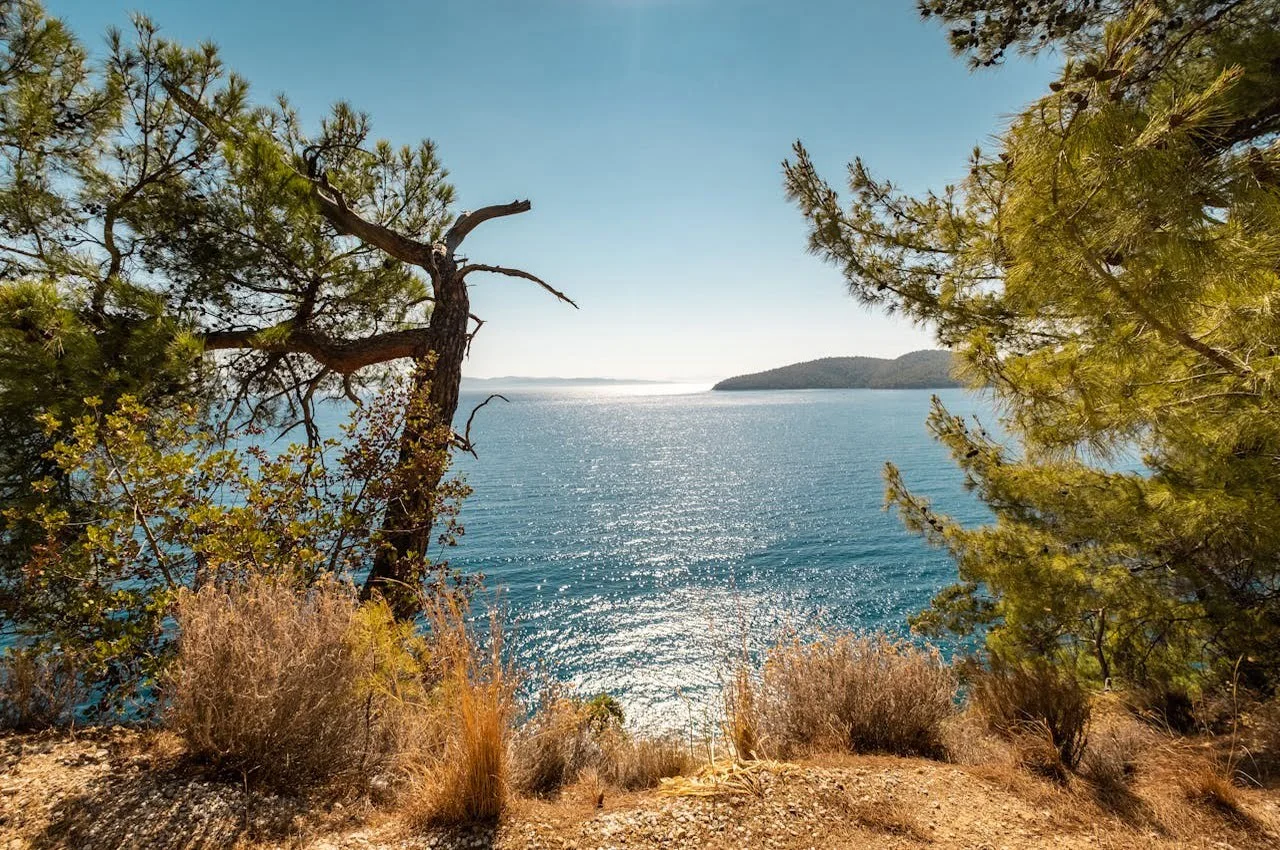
[{"x": 641, "y": 536}]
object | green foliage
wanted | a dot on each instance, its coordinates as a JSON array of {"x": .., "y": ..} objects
[
  {"x": 150, "y": 215},
  {"x": 168, "y": 505},
  {"x": 604, "y": 711},
  {"x": 984, "y": 30},
  {"x": 1109, "y": 274}
]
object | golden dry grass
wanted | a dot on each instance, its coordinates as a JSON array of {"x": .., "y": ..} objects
[
  {"x": 465, "y": 779},
  {"x": 1042, "y": 709},
  {"x": 553, "y": 745},
  {"x": 860, "y": 694},
  {"x": 634, "y": 763},
  {"x": 37, "y": 690},
  {"x": 564, "y": 738},
  {"x": 277, "y": 688}
]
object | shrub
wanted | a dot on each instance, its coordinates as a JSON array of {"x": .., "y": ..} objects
[
  {"x": 37, "y": 689},
  {"x": 863, "y": 694},
  {"x": 288, "y": 689},
  {"x": 636, "y": 763},
  {"x": 1167, "y": 707},
  {"x": 566, "y": 739},
  {"x": 554, "y": 745},
  {"x": 1110, "y": 759},
  {"x": 1042, "y": 708}
]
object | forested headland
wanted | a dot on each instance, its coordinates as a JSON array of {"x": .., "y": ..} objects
[{"x": 916, "y": 370}]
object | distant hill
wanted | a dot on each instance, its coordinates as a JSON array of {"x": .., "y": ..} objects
[{"x": 917, "y": 370}]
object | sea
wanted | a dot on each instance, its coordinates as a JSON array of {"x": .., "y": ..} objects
[{"x": 639, "y": 539}]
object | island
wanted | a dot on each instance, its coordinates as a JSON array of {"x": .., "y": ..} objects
[{"x": 929, "y": 369}]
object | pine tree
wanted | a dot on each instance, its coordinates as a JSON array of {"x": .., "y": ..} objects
[
  {"x": 166, "y": 238},
  {"x": 1108, "y": 273}
]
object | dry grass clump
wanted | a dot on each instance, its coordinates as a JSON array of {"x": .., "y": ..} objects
[
  {"x": 634, "y": 763},
  {"x": 286, "y": 689},
  {"x": 1209, "y": 788},
  {"x": 566, "y": 739},
  {"x": 1111, "y": 758},
  {"x": 1040, "y": 707},
  {"x": 969, "y": 741},
  {"x": 37, "y": 690},
  {"x": 554, "y": 745},
  {"x": 466, "y": 778},
  {"x": 861, "y": 694}
]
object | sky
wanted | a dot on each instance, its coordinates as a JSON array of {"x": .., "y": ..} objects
[{"x": 649, "y": 136}]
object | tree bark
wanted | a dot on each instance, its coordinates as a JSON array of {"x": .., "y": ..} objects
[{"x": 407, "y": 528}]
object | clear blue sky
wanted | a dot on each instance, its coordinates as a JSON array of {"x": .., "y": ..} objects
[{"x": 648, "y": 135}]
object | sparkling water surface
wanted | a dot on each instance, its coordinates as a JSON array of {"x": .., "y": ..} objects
[{"x": 640, "y": 536}]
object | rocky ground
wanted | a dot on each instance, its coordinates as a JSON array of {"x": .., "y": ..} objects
[{"x": 123, "y": 788}]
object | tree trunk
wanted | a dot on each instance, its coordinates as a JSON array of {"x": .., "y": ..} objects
[{"x": 400, "y": 561}]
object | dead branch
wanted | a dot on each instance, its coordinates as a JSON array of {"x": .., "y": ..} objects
[
  {"x": 469, "y": 221},
  {"x": 466, "y": 270},
  {"x": 464, "y": 439}
]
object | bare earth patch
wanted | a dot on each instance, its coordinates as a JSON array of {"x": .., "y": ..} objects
[{"x": 123, "y": 788}]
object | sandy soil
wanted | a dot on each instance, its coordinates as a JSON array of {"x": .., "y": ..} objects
[{"x": 124, "y": 788}]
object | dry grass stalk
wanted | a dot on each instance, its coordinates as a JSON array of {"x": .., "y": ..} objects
[
  {"x": 591, "y": 788},
  {"x": 467, "y": 780},
  {"x": 742, "y": 725},
  {"x": 284, "y": 689},
  {"x": 727, "y": 779},
  {"x": 860, "y": 694},
  {"x": 37, "y": 690}
]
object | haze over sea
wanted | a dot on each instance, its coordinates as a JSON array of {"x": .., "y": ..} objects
[{"x": 642, "y": 534}]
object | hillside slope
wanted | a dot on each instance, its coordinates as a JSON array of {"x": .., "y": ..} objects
[
  {"x": 917, "y": 370},
  {"x": 119, "y": 788}
]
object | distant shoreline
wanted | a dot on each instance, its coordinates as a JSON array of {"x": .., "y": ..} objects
[{"x": 516, "y": 381}]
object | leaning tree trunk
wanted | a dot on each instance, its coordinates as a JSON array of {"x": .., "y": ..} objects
[{"x": 400, "y": 562}]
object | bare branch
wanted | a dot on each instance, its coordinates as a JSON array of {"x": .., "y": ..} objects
[
  {"x": 464, "y": 439},
  {"x": 469, "y": 221},
  {"x": 466, "y": 270}
]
